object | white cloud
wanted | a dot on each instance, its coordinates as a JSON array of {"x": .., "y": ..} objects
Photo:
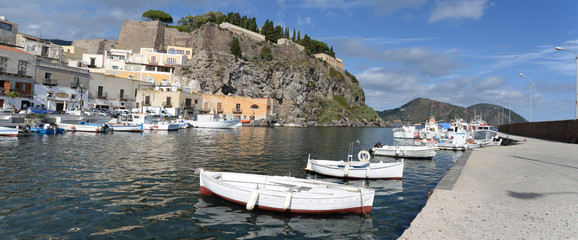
[
  {"x": 303, "y": 21},
  {"x": 458, "y": 10}
]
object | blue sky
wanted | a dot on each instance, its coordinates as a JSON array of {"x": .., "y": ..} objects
[{"x": 456, "y": 51}]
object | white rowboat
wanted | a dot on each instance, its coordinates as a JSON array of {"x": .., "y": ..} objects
[
  {"x": 405, "y": 151},
  {"x": 286, "y": 194},
  {"x": 356, "y": 169}
]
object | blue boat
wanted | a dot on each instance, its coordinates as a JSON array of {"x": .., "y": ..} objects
[{"x": 47, "y": 131}]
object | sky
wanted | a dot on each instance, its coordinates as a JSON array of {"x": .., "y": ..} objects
[{"x": 462, "y": 52}]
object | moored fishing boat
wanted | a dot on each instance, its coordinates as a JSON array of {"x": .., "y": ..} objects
[
  {"x": 404, "y": 151},
  {"x": 360, "y": 169},
  {"x": 85, "y": 127},
  {"x": 8, "y": 132},
  {"x": 212, "y": 121},
  {"x": 286, "y": 194}
]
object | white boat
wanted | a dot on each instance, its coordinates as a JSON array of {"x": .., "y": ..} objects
[
  {"x": 286, "y": 194},
  {"x": 456, "y": 142},
  {"x": 404, "y": 151},
  {"x": 360, "y": 169},
  {"x": 84, "y": 127},
  {"x": 431, "y": 130},
  {"x": 8, "y": 132},
  {"x": 405, "y": 132},
  {"x": 356, "y": 169},
  {"x": 147, "y": 122},
  {"x": 213, "y": 121},
  {"x": 127, "y": 127}
]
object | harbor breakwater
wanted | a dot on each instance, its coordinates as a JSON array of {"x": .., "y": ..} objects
[{"x": 562, "y": 131}]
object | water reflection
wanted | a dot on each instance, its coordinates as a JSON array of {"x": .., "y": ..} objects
[
  {"x": 213, "y": 212},
  {"x": 138, "y": 185}
]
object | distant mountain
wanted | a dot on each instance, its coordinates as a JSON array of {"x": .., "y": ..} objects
[
  {"x": 59, "y": 42},
  {"x": 421, "y": 109}
]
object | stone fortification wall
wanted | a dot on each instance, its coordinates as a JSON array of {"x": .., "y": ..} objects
[
  {"x": 135, "y": 35},
  {"x": 563, "y": 131},
  {"x": 95, "y": 46},
  {"x": 175, "y": 38},
  {"x": 241, "y": 31}
]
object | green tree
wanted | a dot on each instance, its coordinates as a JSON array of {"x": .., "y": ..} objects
[
  {"x": 286, "y": 33},
  {"x": 266, "y": 53},
  {"x": 298, "y": 36},
  {"x": 157, "y": 15},
  {"x": 236, "y": 48},
  {"x": 293, "y": 37}
]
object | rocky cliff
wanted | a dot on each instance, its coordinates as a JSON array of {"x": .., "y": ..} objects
[{"x": 308, "y": 91}]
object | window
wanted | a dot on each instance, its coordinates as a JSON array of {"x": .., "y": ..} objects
[
  {"x": 22, "y": 67},
  {"x": 93, "y": 62},
  {"x": 148, "y": 100},
  {"x": 238, "y": 106},
  {"x": 6, "y": 26},
  {"x": 171, "y": 51},
  {"x": 196, "y": 101},
  {"x": 121, "y": 95},
  {"x": 254, "y": 106},
  {"x": 100, "y": 91},
  {"x": 168, "y": 102},
  {"x": 115, "y": 67},
  {"x": 180, "y": 52},
  {"x": 153, "y": 59},
  {"x": 171, "y": 61},
  {"x": 187, "y": 102},
  {"x": 47, "y": 75},
  {"x": 3, "y": 64},
  {"x": 188, "y": 52},
  {"x": 151, "y": 80},
  {"x": 44, "y": 51}
]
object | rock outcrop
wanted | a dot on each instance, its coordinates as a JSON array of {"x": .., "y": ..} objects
[{"x": 300, "y": 84}]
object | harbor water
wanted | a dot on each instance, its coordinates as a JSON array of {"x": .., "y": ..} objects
[{"x": 143, "y": 185}]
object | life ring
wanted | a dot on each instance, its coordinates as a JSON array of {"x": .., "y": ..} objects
[{"x": 363, "y": 156}]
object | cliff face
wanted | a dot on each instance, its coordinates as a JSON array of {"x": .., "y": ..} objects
[{"x": 306, "y": 90}]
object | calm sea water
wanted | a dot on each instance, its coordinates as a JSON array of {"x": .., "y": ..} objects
[{"x": 143, "y": 185}]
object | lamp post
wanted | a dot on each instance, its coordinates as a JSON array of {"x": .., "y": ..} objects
[
  {"x": 530, "y": 94},
  {"x": 560, "y": 48},
  {"x": 81, "y": 99}
]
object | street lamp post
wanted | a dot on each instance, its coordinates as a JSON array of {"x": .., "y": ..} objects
[
  {"x": 560, "y": 48},
  {"x": 530, "y": 94},
  {"x": 82, "y": 99}
]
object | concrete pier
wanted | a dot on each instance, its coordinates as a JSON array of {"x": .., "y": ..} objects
[{"x": 523, "y": 191}]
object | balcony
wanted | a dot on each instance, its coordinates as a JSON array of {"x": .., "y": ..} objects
[
  {"x": 102, "y": 95},
  {"x": 122, "y": 97},
  {"x": 219, "y": 110},
  {"x": 75, "y": 85},
  {"x": 237, "y": 110},
  {"x": 167, "y": 105},
  {"x": 49, "y": 82}
]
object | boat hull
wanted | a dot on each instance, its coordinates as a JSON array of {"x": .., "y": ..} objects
[
  {"x": 8, "y": 132},
  {"x": 82, "y": 127},
  {"x": 405, "y": 151},
  {"x": 287, "y": 194},
  {"x": 226, "y": 124},
  {"x": 358, "y": 170}
]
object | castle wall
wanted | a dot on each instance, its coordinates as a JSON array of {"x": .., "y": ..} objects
[
  {"x": 135, "y": 35},
  {"x": 95, "y": 46}
]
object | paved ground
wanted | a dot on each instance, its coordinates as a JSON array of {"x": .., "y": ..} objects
[{"x": 524, "y": 191}]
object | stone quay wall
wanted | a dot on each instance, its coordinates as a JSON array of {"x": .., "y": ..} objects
[{"x": 562, "y": 131}]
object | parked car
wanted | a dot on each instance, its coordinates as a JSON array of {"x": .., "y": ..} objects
[
  {"x": 39, "y": 110},
  {"x": 94, "y": 112},
  {"x": 73, "y": 111}
]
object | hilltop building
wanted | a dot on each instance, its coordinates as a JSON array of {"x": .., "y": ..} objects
[{"x": 336, "y": 62}]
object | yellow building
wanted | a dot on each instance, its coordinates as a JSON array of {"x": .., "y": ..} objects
[
  {"x": 188, "y": 52},
  {"x": 244, "y": 108}
]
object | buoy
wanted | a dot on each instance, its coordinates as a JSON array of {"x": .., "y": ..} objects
[
  {"x": 346, "y": 170},
  {"x": 363, "y": 156},
  {"x": 397, "y": 151},
  {"x": 288, "y": 197},
  {"x": 253, "y": 199},
  {"x": 72, "y": 127}
]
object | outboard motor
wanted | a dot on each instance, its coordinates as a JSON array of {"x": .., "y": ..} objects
[{"x": 107, "y": 128}]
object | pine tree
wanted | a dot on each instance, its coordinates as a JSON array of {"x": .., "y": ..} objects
[
  {"x": 293, "y": 37},
  {"x": 236, "y": 48},
  {"x": 299, "y": 36},
  {"x": 286, "y": 33}
]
